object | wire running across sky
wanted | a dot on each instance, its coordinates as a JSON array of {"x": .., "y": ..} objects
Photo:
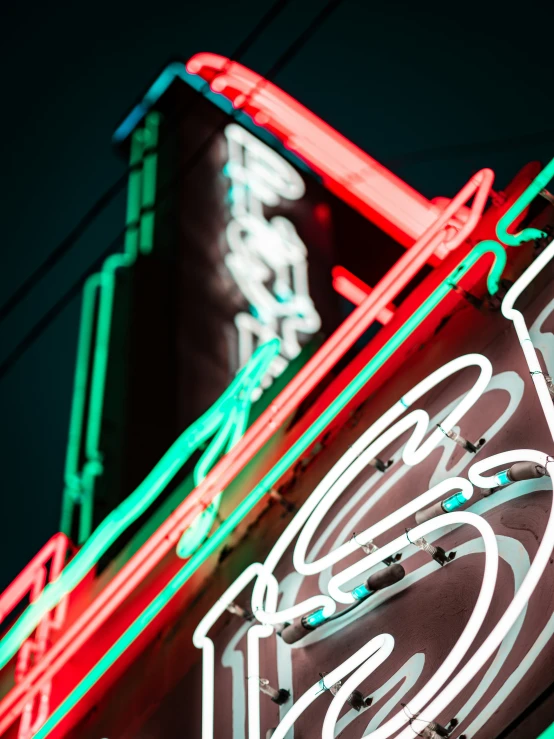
[{"x": 56, "y": 255}]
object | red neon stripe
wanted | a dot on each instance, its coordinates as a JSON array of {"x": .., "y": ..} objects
[
  {"x": 356, "y": 291},
  {"x": 255, "y": 438},
  {"x": 167, "y": 536},
  {"x": 54, "y": 549},
  {"x": 346, "y": 170},
  {"x": 32, "y": 580}
]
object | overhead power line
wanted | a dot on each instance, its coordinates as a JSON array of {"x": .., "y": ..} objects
[
  {"x": 106, "y": 198},
  {"x": 53, "y": 312},
  {"x": 285, "y": 58},
  {"x": 470, "y": 148}
]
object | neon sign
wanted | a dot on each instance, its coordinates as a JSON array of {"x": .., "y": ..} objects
[
  {"x": 433, "y": 697},
  {"x": 269, "y": 480},
  {"x": 44, "y": 567},
  {"x": 289, "y": 457},
  {"x": 83, "y": 462},
  {"x": 208, "y": 491},
  {"x": 267, "y": 258}
]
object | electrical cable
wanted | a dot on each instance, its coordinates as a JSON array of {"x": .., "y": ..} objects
[
  {"x": 290, "y": 52},
  {"x": 54, "y": 311},
  {"x": 106, "y": 198},
  {"x": 340, "y": 614},
  {"x": 465, "y": 149}
]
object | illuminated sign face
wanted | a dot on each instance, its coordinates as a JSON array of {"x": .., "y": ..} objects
[
  {"x": 407, "y": 656},
  {"x": 267, "y": 258},
  {"x": 330, "y": 555}
]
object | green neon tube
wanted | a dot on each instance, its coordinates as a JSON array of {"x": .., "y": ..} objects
[
  {"x": 234, "y": 404},
  {"x": 528, "y": 234},
  {"x": 99, "y": 290},
  {"x": 73, "y": 487},
  {"x": 548, "y": 734},
  {"x": 149, "y": 173},
  {"x": 272, "y": 477}
]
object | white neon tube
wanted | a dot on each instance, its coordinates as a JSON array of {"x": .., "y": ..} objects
[
  {"x": 333, "y": 712},
  {"x": 475, "y": 621},
  {"x": 428, "y": 701},
  {"x": 546, "y": 546},
  {"x": 370, "y": 651},
  {"x": 267, "y": 258},
  {"x": 492, "y": 642},
  {"x": 422, "y": 501},
  {"x": 355, "y": 459},
  {"x": 253, "y": 636},
  {"x": 509, "y": 312},
  {"x": 201, "y": 641},
  {"x": 501, "y": 460}
]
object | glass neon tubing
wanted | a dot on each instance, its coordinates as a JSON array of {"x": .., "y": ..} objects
[
  {"x": 505, "y": 623},
  {"x": 100, "y": 289},
  {"x": 506, "y": 221},
  {"x": 334, "y": 156},
  {"x": 326, "y": 493},
  {"x": 150, "y": 488},
  {"x": 260, "y": 432},
  {"x": 277, "y": 471},
  {"x": 103, "y": 598},
  {"x": 548, "y": 734},
  {"x": 346, "y": 170},
  {"x": 537, "y": 270},
  {"x": 454, "y": 502},
  {"x": 542, "y": 557},
  {"x": 340, "y": 341},
  {"x": 472, "y": 627},
  {"x": 110, "y": 592},
  {"x": 406, "y": 268},
  {"x": 31, "y": 581},
  {"x": 441, "y": 675},
  {"x": 491, "y": 643},
  {"x": 376, "y": 438},
  {"x": 235, "y": 400},
  {"x": 470, "y": 630},
  {"x": 234, "y": 405},
  {"x": 544, "y": 551},
  {"x": 201, "y": 641},
  {"x": 356, "y": 291},
  {"x": 54, "y": 549},
  {"x": 361, "y": 592}
]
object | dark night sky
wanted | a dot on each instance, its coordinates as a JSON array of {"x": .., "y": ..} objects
[{"x": 433, "y": 93}]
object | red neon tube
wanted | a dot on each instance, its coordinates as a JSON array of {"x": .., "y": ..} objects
[
  {"x": 255, "y": 438},
  {"x": 356, "y": 291},
  {"x": 26, "y": 582},
  {"x": 259, "y": 433},
  {"x": 345, "y": 169}
]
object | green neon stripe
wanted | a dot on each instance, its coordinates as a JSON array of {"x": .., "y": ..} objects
[
  {"x": 75, "y": 489},
  {"x": 79, "y": 483},
  {"x": 289, "y": 458},
  {"x": 504, "y": 223},
  {"x": 72, "y": 478},
  {"x": 103, "y": 332},
  {"x": 197, "y": 533},
  {"x": 235, "y": 404},
  {"x": 150, "y": 164},
  {"x": 548, "y": 734}
]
